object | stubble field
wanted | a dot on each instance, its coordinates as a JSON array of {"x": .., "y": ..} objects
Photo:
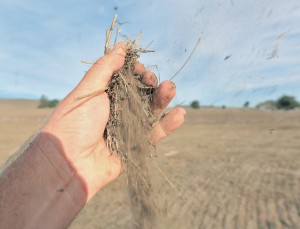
[{"x": 231, "y": 168}]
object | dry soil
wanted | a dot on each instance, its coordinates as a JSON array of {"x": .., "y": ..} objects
[{"x": 232, "y": 168}]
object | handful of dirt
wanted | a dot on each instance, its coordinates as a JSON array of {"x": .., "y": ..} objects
[{"x": 127, "y": 134}]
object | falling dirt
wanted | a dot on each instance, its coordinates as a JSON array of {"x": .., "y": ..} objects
[{"x": 127, "y": 134}]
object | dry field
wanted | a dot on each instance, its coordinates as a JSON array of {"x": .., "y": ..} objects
[{"x": 231, "y": 168}]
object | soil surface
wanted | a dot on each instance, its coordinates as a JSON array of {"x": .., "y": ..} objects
[{"x": 232, "y": 168}]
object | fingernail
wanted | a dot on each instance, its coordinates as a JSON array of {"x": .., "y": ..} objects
[
  {"x": 173, "y": 86},
  {"x": 154, "y": 80},
  {"x": 117, "y": 46}
]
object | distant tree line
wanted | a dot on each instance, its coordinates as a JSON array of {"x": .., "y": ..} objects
[
  {"x": 47, "y": 103},
  {"x": 285, "y": 102}
]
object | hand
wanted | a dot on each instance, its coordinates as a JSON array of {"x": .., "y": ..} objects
[{"x": 79, "y": 125}]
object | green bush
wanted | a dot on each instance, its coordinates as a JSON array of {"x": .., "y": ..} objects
[
  {"x": 286, "y": 102},
  {"x": 46, "y": 103},
  {"x": 195, "y": 104},
  {"x": 53, "y": 103}
]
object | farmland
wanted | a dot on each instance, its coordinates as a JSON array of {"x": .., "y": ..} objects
[{"x": 226, "y": 168}]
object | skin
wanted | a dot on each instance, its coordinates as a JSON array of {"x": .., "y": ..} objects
[{"x": 68, "y": 162}]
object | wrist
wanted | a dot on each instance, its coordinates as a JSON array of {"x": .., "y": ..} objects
[
  {"x": 95, "y": 165},
  {"x": 59, "y": 169},
  {"x": 41, "y": 188}
]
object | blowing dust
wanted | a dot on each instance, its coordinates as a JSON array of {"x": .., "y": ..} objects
[{"x": 127, "y": 134}]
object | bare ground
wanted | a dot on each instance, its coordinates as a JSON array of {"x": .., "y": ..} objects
[{"x": 232, "y": 168}]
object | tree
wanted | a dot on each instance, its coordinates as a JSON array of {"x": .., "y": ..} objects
[
  {"x": 195, "y": 104},
  {"x": 286, "y": 102},
  {"x": 45, "y": 102},
  {"x": 246, "y": 104}
]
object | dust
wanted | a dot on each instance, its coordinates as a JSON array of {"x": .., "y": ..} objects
[
  {"x": 128, "y": 129},
  {"x": 127, "y": 133}
]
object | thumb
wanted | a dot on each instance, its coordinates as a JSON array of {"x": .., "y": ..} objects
[{"x": 101, "y": 72}]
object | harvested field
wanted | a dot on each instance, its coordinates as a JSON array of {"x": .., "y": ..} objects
[{"x": 232, "y": 168}]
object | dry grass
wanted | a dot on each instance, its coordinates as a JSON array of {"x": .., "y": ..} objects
[{"x": 233, "y": 168}]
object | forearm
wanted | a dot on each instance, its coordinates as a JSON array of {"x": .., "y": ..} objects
[{"x": 40, "y": 189}]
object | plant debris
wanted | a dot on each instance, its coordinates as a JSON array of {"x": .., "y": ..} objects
[{"x": 127, "y": 131}]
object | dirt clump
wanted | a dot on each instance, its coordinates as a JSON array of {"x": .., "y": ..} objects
[{"x": 127, "y": 133}]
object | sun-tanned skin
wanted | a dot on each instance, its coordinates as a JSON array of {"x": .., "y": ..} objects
[{"x": 68, "y": 162}]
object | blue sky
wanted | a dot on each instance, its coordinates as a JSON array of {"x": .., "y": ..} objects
[{"x": 43, "y": 42}]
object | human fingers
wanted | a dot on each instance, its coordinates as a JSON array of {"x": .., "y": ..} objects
[
  {"x": 163, "y": 96},
  {"x": 100, "y": 73},
  {"x": 139, "y": 69},
  {"x": 170, "y": 122},
  {"x": 149, "y": 79}
]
